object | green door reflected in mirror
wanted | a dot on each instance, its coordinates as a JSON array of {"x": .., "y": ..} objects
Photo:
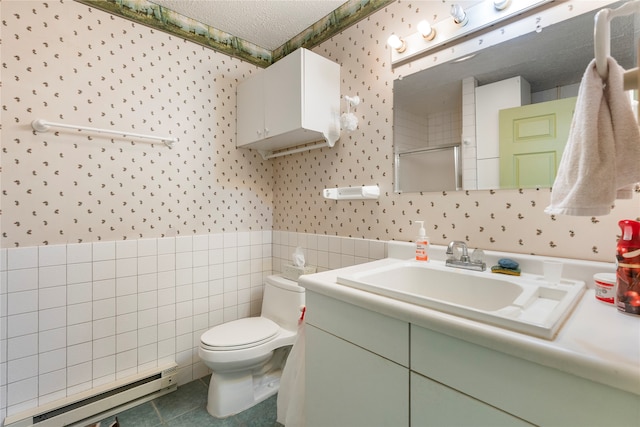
[{"x": 532, "y": 138}]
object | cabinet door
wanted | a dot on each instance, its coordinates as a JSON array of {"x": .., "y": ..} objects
[
  {"x": 250, "y": 110},
  {"x": 283, "y": 95},
  {"x": 347, "y": 385},
  {"x": 433, "y": 404}
]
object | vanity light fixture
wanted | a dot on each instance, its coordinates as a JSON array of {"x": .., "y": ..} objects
[
  {"x": 427, "y": 31},
  {"x": 459, "y": 15},
  {"x": 481, "y": 15},
  {"x": 397, "y": 43}
]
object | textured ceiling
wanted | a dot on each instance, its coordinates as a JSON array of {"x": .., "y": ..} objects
[{"x": 265, "y": 23}]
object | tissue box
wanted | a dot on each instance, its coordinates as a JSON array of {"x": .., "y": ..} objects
[{"x": 292, "y": 272}]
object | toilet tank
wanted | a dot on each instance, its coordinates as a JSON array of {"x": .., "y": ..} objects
[{"x": 282, "y": 301}]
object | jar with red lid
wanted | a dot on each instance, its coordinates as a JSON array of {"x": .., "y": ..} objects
[{"x": 605, "y": 287}]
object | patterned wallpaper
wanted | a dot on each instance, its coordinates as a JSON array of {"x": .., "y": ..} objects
[
  {"x": 505, "y": 220},
  {"x": 63, "y": 61}
]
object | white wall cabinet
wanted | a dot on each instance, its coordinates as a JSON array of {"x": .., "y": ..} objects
[{"x": 293, "y": 102}]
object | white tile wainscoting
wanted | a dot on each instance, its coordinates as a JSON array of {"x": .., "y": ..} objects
[
  {"x": 325, "y": 252},
  {"x": 76, "y": 316}
]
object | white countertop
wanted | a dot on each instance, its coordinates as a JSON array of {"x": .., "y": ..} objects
[{"x": 596, "y": 342}]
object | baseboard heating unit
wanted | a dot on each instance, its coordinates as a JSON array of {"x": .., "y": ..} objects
[{"x": 100, "y": 402}]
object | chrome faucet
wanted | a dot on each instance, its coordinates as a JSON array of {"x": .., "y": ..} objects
[{"x": 464, "y": 261}]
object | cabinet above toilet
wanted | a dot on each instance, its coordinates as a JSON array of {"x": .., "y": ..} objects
[{"x": 295, "y": 101}]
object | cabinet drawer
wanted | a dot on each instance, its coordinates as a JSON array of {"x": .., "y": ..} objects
[
  {"x": 536, "y": 393},
  {"x": 377, "y": 333}
]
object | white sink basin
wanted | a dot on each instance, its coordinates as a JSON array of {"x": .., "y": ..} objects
[{"x": 525, "y": 303}]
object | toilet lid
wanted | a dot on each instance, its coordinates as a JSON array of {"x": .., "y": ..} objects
[{"x": 241, "y": 333}]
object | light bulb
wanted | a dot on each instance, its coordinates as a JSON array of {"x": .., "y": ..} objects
[
  {"x": 397, "y": 43},
  {"x": 426, "y": 30},
  {"x": 459, "y": 15}
]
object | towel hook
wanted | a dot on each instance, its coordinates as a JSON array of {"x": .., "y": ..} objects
[{"x": 602, "y": 33}]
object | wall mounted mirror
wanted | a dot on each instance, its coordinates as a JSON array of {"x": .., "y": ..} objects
[{"x": 538, "y": 69}]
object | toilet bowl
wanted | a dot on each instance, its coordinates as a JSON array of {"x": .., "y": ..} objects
[{"x": 246, "y": 356}]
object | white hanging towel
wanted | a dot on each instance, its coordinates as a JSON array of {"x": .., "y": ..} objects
[{"x": 601, "y": 161}]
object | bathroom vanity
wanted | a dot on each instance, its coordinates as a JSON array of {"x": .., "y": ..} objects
[{"x": 373, "y": 360}]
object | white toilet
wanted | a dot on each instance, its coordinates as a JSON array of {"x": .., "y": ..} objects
[{"x": 247, "y": 355}]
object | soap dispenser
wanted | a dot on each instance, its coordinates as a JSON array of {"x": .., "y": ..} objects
[{"x": 422, "y": 243}]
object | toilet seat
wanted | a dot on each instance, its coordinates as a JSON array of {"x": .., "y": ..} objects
[{"x": 239, "y": 334}]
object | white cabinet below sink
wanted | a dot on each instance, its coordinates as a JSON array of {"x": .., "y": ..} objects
[
  {"x": 356, "y": 366},
  {"x": 293, "y": 102},
  {"x": 365, "y": 368}
]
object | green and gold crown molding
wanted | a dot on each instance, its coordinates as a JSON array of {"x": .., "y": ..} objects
[
  {"x": 344, "y": 16},
  {"x": 163, "y": 19}
]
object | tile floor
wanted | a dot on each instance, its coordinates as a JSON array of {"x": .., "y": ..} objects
[{"x": 186, "y": 407}]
